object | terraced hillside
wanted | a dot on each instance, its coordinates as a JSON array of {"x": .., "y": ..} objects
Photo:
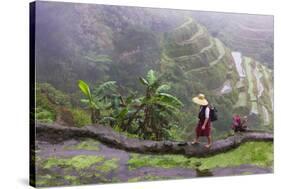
[
  {"x": 255, "y": 32},
  {"x": 195, "y": 61},
  {"x": 250, "y": 34},
  {"x": 191, "y": 48},
  {"x": 260, "y": 90}
]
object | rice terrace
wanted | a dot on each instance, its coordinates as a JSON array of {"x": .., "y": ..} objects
[{"x": 118, "y": 90}]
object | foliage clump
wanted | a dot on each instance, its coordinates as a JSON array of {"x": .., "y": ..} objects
[
  {"x": 80, "y": 117},
  {"x": 149, "y": 115}
]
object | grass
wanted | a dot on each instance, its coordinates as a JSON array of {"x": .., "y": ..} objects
[
  {"x": 73, "y": 180},
  {"x": 108, "y": 165},
  {"x": 265, "y": 115},
  {"x": 221, "y": 51},
  {"x": 89, "y": 144},
  {"x": 181, "y": 41},
  {"x": 151, "y": 178},
  {"x": 44, "y": 115},
  {"x": 217, "y": 72},
  {"x": 49, "y": 180},
  {"x": 259, "y": 76},
  {"x": 76, "y": 170},
  {"x": 242, "y": 100},
  {"x": 163, "y": 161},
  {"x": 194, "y": 30},
  {"x": 251, "y": 80},
  {"x": 43, "y": 180},
  {"x": 268, "y": 81},
  {"x": 77, "y": 162},
  {"x": 80, "y": 117},
  {"x": 240, "y": 84},
  {"x": 255, "y": 153},
  {"x": 247, "y": 173},
  {"x": 254, "y": 108},
  {"x": 266, "y": 74}
]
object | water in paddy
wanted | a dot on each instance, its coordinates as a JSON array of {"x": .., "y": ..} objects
[
  {"x": 106, "y": 171},
  {"x": 238, "y": 63}
]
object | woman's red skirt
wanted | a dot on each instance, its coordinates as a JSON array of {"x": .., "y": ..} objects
[{"x": 203, "y": 132}]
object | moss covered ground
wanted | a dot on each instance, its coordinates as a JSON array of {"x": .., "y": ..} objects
[
  {"x": 88, "y": 144},
  {"x": 79, "y": 169},
  {"x": 255, "y": 153},
  {"x": 77, "y": 162},
  {"x": 93, "y": 165}
]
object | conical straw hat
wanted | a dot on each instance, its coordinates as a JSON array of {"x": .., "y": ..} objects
[{"x": 200, "y": 99}]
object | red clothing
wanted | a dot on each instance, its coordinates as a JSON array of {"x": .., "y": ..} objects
[
  {"x": 203, "y": 132},
  {"x": 236, "y": 120},
  {"x": 237, "y": 124},
  {"x": 202, "y": 115}
]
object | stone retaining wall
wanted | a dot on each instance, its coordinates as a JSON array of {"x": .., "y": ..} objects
[{"x": 56, "y": 134}]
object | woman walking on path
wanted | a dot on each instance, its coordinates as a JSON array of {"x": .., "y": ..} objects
[{"x": 204, "y": 124}]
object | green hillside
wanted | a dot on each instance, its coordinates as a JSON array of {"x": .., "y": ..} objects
[
  {"x": 124, "y": 44},
  {"x": 250, "y": 34}
]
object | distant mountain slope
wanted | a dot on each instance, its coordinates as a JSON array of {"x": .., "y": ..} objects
[{"x": 250, "y": 34}]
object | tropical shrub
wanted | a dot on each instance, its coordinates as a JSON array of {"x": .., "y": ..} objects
[
  {"x": 54, "y": 96},
  {"x": 97, "y": 99},
  {"x": 80, "y": 117},
  {"x": 156, "y": 108},
  {"x": 44, "y": 115}
]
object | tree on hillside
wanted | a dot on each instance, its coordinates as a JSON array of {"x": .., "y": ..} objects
[{"x": 97, "y": 99}]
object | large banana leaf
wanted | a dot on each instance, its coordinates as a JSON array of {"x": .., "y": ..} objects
[
  {"x": 84, "y": 87},
  {"x": 167, "y": 98},
  {"x": 167, "y": 106},
  {"x": 123, "y": 113}
]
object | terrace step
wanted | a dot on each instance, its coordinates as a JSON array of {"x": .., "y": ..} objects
[{"x": 106, "y": 135}]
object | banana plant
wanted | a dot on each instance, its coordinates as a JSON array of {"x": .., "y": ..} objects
[
  {"x": 97, "y": 99},
  {"x": 121, "y": 110},
  {"x": 153, "y": 104}
]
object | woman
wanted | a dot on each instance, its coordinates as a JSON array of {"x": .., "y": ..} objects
[{"x": 204, "y": 124}]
